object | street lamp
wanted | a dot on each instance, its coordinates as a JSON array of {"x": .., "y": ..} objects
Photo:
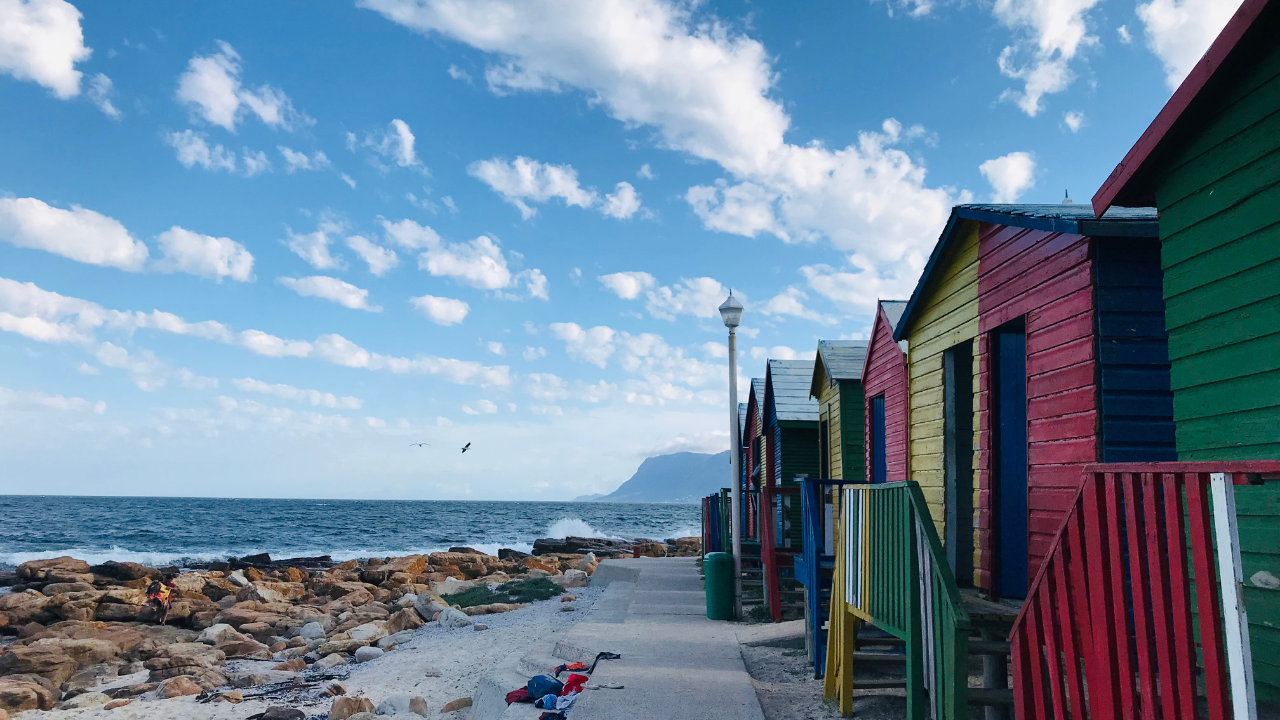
[{"x": 731, "y": 313}]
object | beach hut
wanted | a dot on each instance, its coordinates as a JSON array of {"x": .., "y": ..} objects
[
  {"x": 752, "y": 452},
  {"x": 884, "y": 385},
  {"x": 1210, "y": 164},
  {"x": 790, "y": 448}
]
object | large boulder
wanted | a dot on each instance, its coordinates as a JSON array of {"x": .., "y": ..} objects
[
  {"x": 125, "y": 571},
  {"x": 271, "y": 592},
  {"x": 245, "y": 647},
  {"x": 178, "y": 686},
  {"x": 453, "y": 618},
  {"x": 24, "y": 607},
  {"x": 91, "y": 676},
  {"x": 48, "y": 662},
  {"x": 600, "y": 546},
  {"x": 369, "y": 632},
  {"x": 86, "y": 651},
  {"x": 365, "y": 654},
  {"x": 53, "y": 589},
  {"x": 190, "y": 583},
  {"x": 492, "y": 608},
  {"x": 570, "y": 579},
  {"x": 60, "y": 569},
  {"x": 407, "y": 619},
  {"x": 216, "y": 588},
  {"x": 345, "y": 707},
  {"x": 378, "y": 574},
  {"x": 215, "y": 634},
  {"x": 27, "y": 692},
  {"x": 126, "y": 638},
  {"x": 183, "y": 659},
  {"x": 551, "y": 567}
]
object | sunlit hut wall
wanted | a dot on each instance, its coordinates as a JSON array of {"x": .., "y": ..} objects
[
  {"x": 837, "y": 387},
  {"x": 884, "y": 383},
  {"x": 753, "y": 452},
  {"x": 1210, "y": 163}
]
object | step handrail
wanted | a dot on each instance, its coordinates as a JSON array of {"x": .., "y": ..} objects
[
  {"x": 896, "y": 576},
  {"x": 1115, "y": 591}
]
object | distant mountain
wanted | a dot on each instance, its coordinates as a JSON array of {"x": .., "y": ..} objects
[
  {"x": 682, "y": 477},
  {"x": 588, "y": 498}
]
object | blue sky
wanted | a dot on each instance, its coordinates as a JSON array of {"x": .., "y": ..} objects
[{"x": 258, "y": 249}]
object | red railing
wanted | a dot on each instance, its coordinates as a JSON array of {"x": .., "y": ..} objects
[{"x": 1109, "y": 628}]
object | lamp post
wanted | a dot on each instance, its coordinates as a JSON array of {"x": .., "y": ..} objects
[{"x": 731, "y": 313}]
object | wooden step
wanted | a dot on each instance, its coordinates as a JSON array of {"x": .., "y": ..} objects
[
  {"x": 879, "y": 658},
  {"x": 988, "y": 647},
  {"x": 885, "y": 684},
  {"x": 990, "y": 696}
]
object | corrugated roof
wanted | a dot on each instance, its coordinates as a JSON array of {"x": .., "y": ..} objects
[
  {"x": 842, "y": 359},
  {"x": 893, "y": 311},
  {"x": 1075, "y": 219},
  {"x": 789, "y": 385},
  {"x": 757, "y": 389},
  {"x": 742, "y": 417}
]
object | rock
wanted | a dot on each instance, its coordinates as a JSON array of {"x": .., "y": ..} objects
[
  {"x": 47, "y": 662},
  {"x": 567, "y": 608},
  {"x": 259, "y": 630},
  {"x": 568, "y": 598},
  {"x": 90, "y": 677},
  {"x": 451, "y": 586},
  {"x": 571, "y": 579},
  {"x": 61, "y": 566},
  {"x": 509, "y": 554},
  {"x": 230, "y": 696},
  {"x": 116, "y": 704},
  {"x": 479, "y": 626},
  {"x": 124, "y": 571},
  {"x": 24, "y": 607},
  {"x": 334, "y": 689},
  {"x": 330, "y": 661},
  {"x": 599, "y": 546},
  {"x": 365, "y": 654},
  {"x": 369, "y": 632},
  {"x": 270, "y": 592},
  {"x": 454, "y": 705},
  {"x": 403, "y": 705},
  {"x": 492, "y": 608},
  {"x": 221, "y": 632},
  {"x": 190, "y": 582},
  {"x": 364, "y": 716},
  {"x": 294, "y": 664},
  {"x": 344, "y": 646},
  {"x": 428, "y": 603},
  {"x": 132, "y": 690},
  {"x": 246, "y": 648},
  {"x": 653, "y": 549},
  {"x": 179, "y": 686},
  {"x": 399, "y": 638},
  {"x": 279, "y": 712},
  {"x": 378, "y": 574},
  {"x": 218, "y": 588},
  {"x": 268, "y": 677},
  {"x": 430, "y": 671},
  {"x": 451, "y": 618},
  {"x": 405, "y": 620},
  {"x": 86, "y": 700},
  {"x": 27, "y": 692},
  {"x": 117, "y": 612},
  {"x": 345, "y": 707},
  {"x": 183, "y": 659},
  {"x": 238, "y": 579},
  {"x": 312, "y": 631},
  {"x": 59, "y": 588}
]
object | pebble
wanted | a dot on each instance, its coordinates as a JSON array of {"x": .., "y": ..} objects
[
  {"x": 568, "y": 598},
  {"x": 431, "y": 672},
  {"x": 567, "y": 608},
  {"x": 365, "y": 654},
  {"x": 458, "y": 704},
  {"x": 331, "y": 660},
  {"x": 479, "y": 626},
  {"x": 334, "y": 689}
]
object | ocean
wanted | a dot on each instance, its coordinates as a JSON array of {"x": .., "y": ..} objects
[{"x": 159, "y": 532}]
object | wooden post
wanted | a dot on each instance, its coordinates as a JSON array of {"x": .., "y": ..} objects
[
  {"x": 917, "y": 703},
  {"x": 1236, "y": 621}
]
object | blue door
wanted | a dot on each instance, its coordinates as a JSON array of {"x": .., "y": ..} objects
[
  {"x": 1011, "y": 461},
  {"x": 879, "y": 465}
]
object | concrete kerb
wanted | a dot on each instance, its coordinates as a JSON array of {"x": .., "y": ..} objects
[{"x": 488, "y": 702}]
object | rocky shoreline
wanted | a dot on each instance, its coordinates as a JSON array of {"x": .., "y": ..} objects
[{"x": 79, "y": 636}]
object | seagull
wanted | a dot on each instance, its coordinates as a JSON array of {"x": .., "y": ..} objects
[
  {"x": 466, "y": 447},
  {"x": 419, "y": 444}
]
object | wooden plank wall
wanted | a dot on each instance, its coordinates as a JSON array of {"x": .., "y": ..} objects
[
  {"x": 886, "y": 374},
  {"x": 853, "y": 429},
  {"x": 829, "y": 410},
  {"x": 1220, "y": 234},
  {"x": 1047, "y": 279},
  {"x": 948, "y": 315}
]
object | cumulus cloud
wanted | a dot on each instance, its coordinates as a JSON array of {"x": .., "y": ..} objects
[
  {"x": 478, "y": 263},
  {"x": 792, "y": 302},
  {"x": 27, "y": 400},
  {"x": 100, "y": 93},
  {"x": 699, "y": 297},
  {"x": 645, "y": 172},
  {"x": 441, "y": 310},
  {"x": 705, "y": 91},
  {"x": 255, "y": 162},
  {"x": 79, "y": 234},
  {"x": 533, "y": 353},
  {"x": 1180, "y": 31},
  {"x": 331, "y": 289},
  {"x": 593, "y": 345},
  {"x": 194, "y": 149},
  {"x": 496, "y": 347},
  {"x": 289, "y": 392},
  {"x": 622, "y": 203},
  {"x": 314, "y": 246},
  {"x": 395, "y": 145},
  {"x": 1123, "y": 33},
  {"x": 525, "y": 179},
  {"x": 148, "y": 372},
  {"x": 480, "y": 407},
  {"x": 857, "y": 287},
  {"x": 458, "y": 73},
  {"x": 379, "y": 259},
  {"x": 628, "y": 285},
  {"x": 1074, "y": 120},
  {"x": 1048, "y": 33},
  {"x": 1010, "y": 176},
  {"x": 715, "y": 350},
  {"x": 295, "y": 161},
  {"x": 211, "y": 87},
  {"x": 41, "y": 42},
  {"x": 777, "y": 352},
  {"x": 204, "y": 255}
]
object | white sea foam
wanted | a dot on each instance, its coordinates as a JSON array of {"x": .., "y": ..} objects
[
  {"x": 565, "y": 527},
  {"x": 97, "y": 556}
]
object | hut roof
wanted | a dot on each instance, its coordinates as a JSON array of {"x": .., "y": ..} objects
[
  {"x": 788, "y": 389},
  {"x": 837, "y": 360},
  {"x": 1132, "y": 182},
  {"x": 1074, "y": 219},
  {"x": 742, "y": 419},
  {"x": 893, "y": 311}
]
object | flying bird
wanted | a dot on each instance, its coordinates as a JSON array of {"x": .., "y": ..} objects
[
  {"x": 419, "y": 444},
  {"x": 466, "y": 447}
]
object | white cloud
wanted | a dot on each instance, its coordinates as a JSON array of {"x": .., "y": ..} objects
[
  {"x": 535, "y": 284},
  {"x": 496, "y": 347},
  {"x": 255, "y": 162},
  {"x": 554, "y": 410},
  {"x": 458, "y": 73},
  {"x": 628, "y": 285},
  {"x": 1049, "y": 34},
  {"x": 295, "y": 161},
  {"x": 478, "y": 263},
  {"x": 147, "y": 371},
  {"x": 100, "y": 92},
  {"x": 480, "y": 407},
  {"x": 211, "y": 87},
  {"x": 1180, "y": 31},
  {"x": 349, "y": 181},
  {"x": 87, "y": 369},
  {"x": 288, "y": 392},
  {"x": 645, "y": 172},
  {"x": 791, "y": 302},
  {"x": 622, "y": 203},
  {"x": 1125, "y": 37},
  {"x": 314, "y": 247},
  {"x": 194, "y": 149},
  {"x": 858, "y": 287},
  {"x": 331, "y": 289},
  {"x": 1074, "y": 120},
  {"x": 533, "y": 353},
  {"x": 525, "y": 179},
  {"x": 441, "y": 310},
  {"x": 79, "y": 234},
  {"x": 395, "y": 144},
  {"x": 380, "y": 259},
  {"x": 450, "y": 204},
  {"x": 700, "y": 297},
  {"x": 203, "y": 255},
  {"x": 41, "y": 42},
  {"x": 1010, "y": 176},
  {"x": 777, "y": 352},
  {"x": 34, "y": 400},
  {"x": 705, "y": 89},
  {"x": 715, "y": 350},
  {"x": 593, "y": 345}
]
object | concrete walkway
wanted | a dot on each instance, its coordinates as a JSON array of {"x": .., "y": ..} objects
[{"x": 676, "y": 664}]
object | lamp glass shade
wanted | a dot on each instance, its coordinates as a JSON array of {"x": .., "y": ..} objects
[{"x": 731, "y": 312}]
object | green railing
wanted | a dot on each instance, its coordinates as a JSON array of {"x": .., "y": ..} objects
[{"x": 898, "y": 579}]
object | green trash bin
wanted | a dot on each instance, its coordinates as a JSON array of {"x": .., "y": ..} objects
[{"x": 718, "y": 568}]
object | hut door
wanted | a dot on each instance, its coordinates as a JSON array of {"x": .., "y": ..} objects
[
  {"x": 1010, "y": 426},
  {"x": 957, "y": 377},
  {"x": 824, "y": 448},
  {"x": 879, "y": 464}
]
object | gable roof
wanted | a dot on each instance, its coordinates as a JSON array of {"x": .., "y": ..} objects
[
  {"x": 1073, "y": 219},
  {"x": 892, "y": 310},
  {"x": 1131, "y": 182},
  {"x": 837, "y": 360},
  {"x": 742, "y": 423},
  {"x": 787, "y": 388},
  {"x": 756, "y": 399}
]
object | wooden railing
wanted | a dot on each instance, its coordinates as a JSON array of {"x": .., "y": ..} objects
[
  {"x": 816, "y": 562},
  {"x": 895, "y": 575},
  {"x": 1118, "y": 612}
]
